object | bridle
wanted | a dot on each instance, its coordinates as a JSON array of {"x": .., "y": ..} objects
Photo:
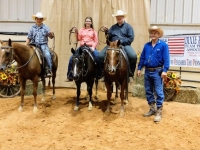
[
  {"x": 119, "y": 64},
  {"x": 12, "y": 57},
  {"x": 82, "y": 73}
]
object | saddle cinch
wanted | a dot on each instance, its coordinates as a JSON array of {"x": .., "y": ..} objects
[{"x": 41, "y": 58}]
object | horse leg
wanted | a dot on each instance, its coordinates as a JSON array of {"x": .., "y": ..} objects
[
  {"x": 43, "y": 89},
  {"x": 96, "y": 90},
  {"x": 22, "y": 89},
  {"x": 53, "y": 83},
  {"x": 116, "y": 94},
  {"x": 89, "y": 89},
  {"x": 123, "y": 87},
  {"x": 78, "y": 92},
  {"x": 109, "y": 94},
  {"x": 35, "y": 85}
]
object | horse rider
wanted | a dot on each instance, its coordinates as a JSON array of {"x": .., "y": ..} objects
[
  {"x": 155, "y": 59},
  {"x": 86, "y": 35},
  {"x": 124, "y": 32},
  {"x": 38, "y": 34}
]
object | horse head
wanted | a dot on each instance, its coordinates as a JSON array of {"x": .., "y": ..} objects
[
  {"x": 113, "y": 56},
  {"x": 5, "y": 54},
  {"x": 77, "y": 63}
]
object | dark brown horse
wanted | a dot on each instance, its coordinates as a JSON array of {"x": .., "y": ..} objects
[
  {"x": 28, "y": 66},
  {"x": 116, "y": 70}
]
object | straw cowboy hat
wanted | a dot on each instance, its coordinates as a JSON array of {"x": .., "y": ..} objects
[
  {"x": 39, "y": 15},
  {"x": 155, "y": 28},
  {"x": 119, "y": 13}
]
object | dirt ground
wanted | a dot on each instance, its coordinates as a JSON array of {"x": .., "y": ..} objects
[{"x": 57, "y": 126}]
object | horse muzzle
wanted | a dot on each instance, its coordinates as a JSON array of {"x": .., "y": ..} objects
[
  {"x": 75, "y": 77},
  {"x": 111, "y": 70},
  {"x": 2, "y": 67}
]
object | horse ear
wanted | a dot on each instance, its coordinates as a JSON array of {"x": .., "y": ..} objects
[
  {"x": 108, "y": 42},
  {"x": 9, "y": 42},
  {"x": 73, "y": 51},
  {"x": 80, "y": 51},
  {"x": 118, "y": 43}
]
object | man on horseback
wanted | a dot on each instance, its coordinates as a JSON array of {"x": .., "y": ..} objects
[
  {"x": 124, "y": 32},
  {"x": 38, "y": 35}
]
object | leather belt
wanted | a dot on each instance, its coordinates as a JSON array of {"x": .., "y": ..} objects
[{"x": 153, "y": 69}]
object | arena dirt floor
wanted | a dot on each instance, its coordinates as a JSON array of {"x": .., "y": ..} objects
[{"x": 57, "y": 126}]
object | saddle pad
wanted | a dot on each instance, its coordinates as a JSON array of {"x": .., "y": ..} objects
[{"x": 37, "y": 51}]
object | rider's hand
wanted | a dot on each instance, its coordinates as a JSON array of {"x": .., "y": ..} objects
[
  {"x": 105, "y": 29},
  {"x": 92, "y": 49},
  {"x": 51, "y": 35},
  {"x": 139, "y": 73},
  {"x": 76, "y": 30}
]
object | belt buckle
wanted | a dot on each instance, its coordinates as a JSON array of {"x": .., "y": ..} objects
[{"x": 151, "y": 69}]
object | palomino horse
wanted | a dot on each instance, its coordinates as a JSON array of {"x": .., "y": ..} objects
[
  {"x": 28, "y": 66},
  {"x": 84, "y": 69},
  {"x": 116, "y": 70}
]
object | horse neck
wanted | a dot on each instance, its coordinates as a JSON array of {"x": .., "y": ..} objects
[{"x": 22, "y": 53}]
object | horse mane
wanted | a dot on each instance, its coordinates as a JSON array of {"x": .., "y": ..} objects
[{"x": 22, "y": 46}]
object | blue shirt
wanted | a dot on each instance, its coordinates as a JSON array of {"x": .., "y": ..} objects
[
  {"x": 124, "y": 33},
  {"x": 157, "y": 56},
  {"x": 39, "y": 34}
]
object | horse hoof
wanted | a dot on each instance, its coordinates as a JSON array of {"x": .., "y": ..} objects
[
  {"x": 53, "y": 97},
  {"x": 96, "y": 97},
  {"x": 89, "y": 108},
  {"x": 35, "y": 109},
  {"x": 107, "y": 112},
  {"x": 126, "y": 102},
  {"x": 113, "y": 102},
  {"x": 20, "y": 108},
  {"x": 76, "y": 108},
  {"x": 121, "y": 113},
  {"x": 43, "y": 99}
]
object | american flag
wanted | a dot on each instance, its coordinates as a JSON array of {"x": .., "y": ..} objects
[{"x": 176, "y": 45}]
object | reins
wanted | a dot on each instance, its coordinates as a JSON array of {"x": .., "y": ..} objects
[
  {"x": 101, "y": 30},
  {"x": 70, "y": 32}
]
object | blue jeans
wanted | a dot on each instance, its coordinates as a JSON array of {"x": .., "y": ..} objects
[
  {"x": 130, "y": 53},
  {"x": 95, "y": 54},
  {"x": 47, "y": 55},
  {"x": 154, "y": 83}
]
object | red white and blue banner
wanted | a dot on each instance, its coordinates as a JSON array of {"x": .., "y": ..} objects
[{"x": 184, "y": 51}]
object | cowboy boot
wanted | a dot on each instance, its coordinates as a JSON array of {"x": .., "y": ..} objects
[
  {"x": 158, "y": 116},
  {"x": 152, "y": 110}
]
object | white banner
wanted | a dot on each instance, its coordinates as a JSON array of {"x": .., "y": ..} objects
[{"x": 184, "y": 51}]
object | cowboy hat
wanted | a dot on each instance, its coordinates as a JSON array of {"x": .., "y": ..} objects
[
  {"x": 119, "y": 13},
  {"x": 155, "y": 28},
  {"x": 39, "y": 15}
]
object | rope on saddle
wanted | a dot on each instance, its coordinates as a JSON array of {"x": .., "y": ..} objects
[{"x": 70, "y": 32}]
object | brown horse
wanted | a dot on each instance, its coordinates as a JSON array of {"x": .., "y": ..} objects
[
  {"x": 116, "y": 70},
  {"x": 28, "y": 66}
]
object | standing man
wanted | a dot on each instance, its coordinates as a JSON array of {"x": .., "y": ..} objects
[
  {"x": 155, "y": 59},
  {"x": 38, "y": 34},
  {"x": 124, "y": 32}
]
